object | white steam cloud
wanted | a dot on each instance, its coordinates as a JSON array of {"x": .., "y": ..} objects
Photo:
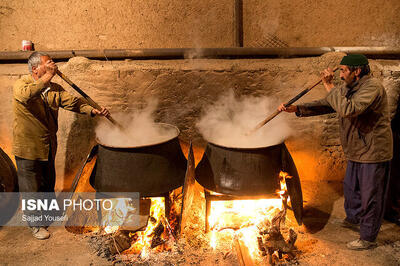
[
  {"x": 227, "y": 121},
  {"x": 139, "y": 129}
]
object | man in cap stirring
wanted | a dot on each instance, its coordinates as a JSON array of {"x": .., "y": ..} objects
[
  {"x": 362, "y": 107},
  {"x": 36, "y": 101}
]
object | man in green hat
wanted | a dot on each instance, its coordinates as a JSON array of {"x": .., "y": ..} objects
[{"x": 366, "y": 137}]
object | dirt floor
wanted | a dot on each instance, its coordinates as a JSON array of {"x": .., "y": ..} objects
[
  {"x": 324, "y": 241},
  {"x": 321, "y": 240}
]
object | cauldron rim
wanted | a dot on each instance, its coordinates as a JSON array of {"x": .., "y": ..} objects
[
  {"x": 177, "y": 132},
  {"x": 244, "y": 148}
]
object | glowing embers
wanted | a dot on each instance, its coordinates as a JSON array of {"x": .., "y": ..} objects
[
  {"x": 153, "y": 237},
  {"x": 155, "y": 234},
  {"x": 253, "y": 226},
  {"x": 241, "y": 217},
  {"x": 236, "y": 214}
]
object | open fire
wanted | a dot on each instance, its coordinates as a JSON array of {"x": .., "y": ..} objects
[
  {"x": 242, "y": 226},
  {"x": 156, "y": 236},
  {"x": 254, "y": 224}
]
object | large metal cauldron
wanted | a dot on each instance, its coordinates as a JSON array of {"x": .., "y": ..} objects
[
  {"x": 8, "y": 183},
  {"x": 250, "y": 172},
  {"x": 151, "y": 170},
  {"x": 8, "y": 174}
]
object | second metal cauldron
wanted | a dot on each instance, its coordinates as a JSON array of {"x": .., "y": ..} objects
[
  {"x": 151, "y": 170},
  {"x": 250, "y": 172}
]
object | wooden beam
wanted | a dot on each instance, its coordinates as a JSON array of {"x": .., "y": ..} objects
[
  {"x": 188, "y": 190},
  {"x": 243, "y": 253},
  {"x": 238, "y": 23}
]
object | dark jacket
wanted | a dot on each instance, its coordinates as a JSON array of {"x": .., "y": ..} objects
[{"x": 364, "y": 119}]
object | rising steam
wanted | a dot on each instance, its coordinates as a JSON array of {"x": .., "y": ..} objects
[
  {"x": 139, "y": 129},
  {"x": 227, "y": 121}
]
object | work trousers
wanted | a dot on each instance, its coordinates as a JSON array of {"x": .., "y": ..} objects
[
  {"x": 365, "y": 189},
  {"x": 36, "y": 176}
]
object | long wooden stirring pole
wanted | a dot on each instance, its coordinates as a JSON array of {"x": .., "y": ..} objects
[
  {"x": 293, "y": 100},
  {"x": 88, "y": 99}
]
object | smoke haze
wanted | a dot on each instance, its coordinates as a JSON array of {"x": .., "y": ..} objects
[
  {"x": 227, "y": 121},
  {"x": 139, "y": 129}
]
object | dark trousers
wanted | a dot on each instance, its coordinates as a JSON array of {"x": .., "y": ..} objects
[
  {"x": 365, "y": 188},
  {"x": 36, "y": 176}
]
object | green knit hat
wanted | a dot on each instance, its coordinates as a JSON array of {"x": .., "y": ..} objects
[{"x": 354, "y": 60}]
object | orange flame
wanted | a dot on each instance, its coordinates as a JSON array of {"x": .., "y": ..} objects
[
  {"x": 242, "y": 218},
  {"x": 143, "y": 239},
  {"x": 283, "y": 192}
]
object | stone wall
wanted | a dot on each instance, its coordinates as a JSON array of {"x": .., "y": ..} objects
[
  {"x": 183, "y": 88},
  {"x": 104, "y": 24}
]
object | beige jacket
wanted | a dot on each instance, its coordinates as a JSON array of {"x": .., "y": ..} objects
[
  {"x": 36, "y": 114},
  {"x": 364, "y": 119}
]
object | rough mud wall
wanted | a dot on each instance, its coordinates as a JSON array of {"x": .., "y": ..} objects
[
  {"x": 93, "y": 24},
  {"x": 322, "y": 23},
  {"x": 104, "y": 24},
  {"x": 184, "y": 87}
]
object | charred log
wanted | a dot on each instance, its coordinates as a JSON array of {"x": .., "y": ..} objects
[
  {"x": 272, "y": 243},
  {"x": 119, "y": 242}
]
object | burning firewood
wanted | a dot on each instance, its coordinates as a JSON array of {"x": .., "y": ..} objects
[
  {"x": 243, "y": 254},
  {"x": 157, "y": 240},
  {"x": 168, "y": 226},
  {"x": 272, "y": 243},
  {"x": 119, "y": 242}
]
